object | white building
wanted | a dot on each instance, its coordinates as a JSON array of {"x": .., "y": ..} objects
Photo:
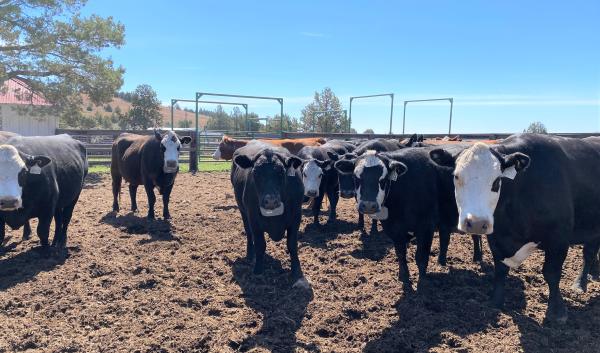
[{"x": 16, "y": 103}]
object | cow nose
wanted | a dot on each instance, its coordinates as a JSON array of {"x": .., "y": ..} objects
[
  {"x": 171, "y": 164},
  {"x": 271, "y": 202},
  {"x": 476, "y": 225},
  {"x": 312, "y": 193},
  {"x": 9, "y": 203},
  {"x": 368, "y": 207},
  {"x": 347, "y": 194}
]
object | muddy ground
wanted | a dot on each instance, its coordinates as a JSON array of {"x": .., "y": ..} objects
[{"x": 128, "y": 285}]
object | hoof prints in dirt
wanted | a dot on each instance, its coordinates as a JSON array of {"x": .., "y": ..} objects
[{"x": 129, "y": 284}]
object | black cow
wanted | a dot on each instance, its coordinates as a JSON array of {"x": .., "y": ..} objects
[
  {"x": 152, "y": 161},
  {"x": 531, "y": 191},
  {"x": 346, "y": 180},
  {"x": 268, "y": 191},
  {"x": 408, "y": 193},
  {"x": 42, "y": 177}
]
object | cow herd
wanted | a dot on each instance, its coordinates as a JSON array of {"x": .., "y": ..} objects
[{"x": 526, "y": 193}]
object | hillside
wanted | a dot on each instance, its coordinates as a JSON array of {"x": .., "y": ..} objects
[{"x": 124, "y": 106}]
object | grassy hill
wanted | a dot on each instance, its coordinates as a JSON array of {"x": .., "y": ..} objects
[{"x": 124, "y": 106}]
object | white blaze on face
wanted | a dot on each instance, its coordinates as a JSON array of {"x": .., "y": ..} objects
[
  {"x": 171, "y": 145},
  {"x": 11, "y": 165},
  {"x": 311, "y": 178},
  {"x": 476, "y": 171},
  {"x": 217, "y": 154},
  {"x": 370, "y": 161}
]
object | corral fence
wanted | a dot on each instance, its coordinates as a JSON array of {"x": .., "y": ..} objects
[
  {"x": 99, "y": 142},
  {"x": 201, "y": 149}
]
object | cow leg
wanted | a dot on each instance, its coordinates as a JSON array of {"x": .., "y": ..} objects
[
  {"x": 133, "y": 196},
  {"x": 116, "y": 189},
  {"x": 444, "y": 243},
  {"x": 26, "y": 231},
  {"x": 151, "y": 199},
  {"x": 595, "y": 267},
  {"x": 58, "y": 223},
  {"x": 553, "y": 262},
  {"x": 249, "y": 241},
  {"x": 316, "y": 208},
  {"x": 292, "y": 246},
  {"x": 590, "y": 250},
  {"x": 43, "y": 231},
  {"x": 2, "y": 232},
  {"x": 67, "y": 214},
  {"x": 361, "y": 221},
  {"x": 333, "y": 196},
  {"x": 424, "y": 240},
  {"x": 260, "y": 246},
  {"x": 477, "y": 253},
  {"x": 500, "y": 273},
  {"x": 400, "y": 243},
  {"x": 165, "y": 197},
  {"x": 373, "y": 226}
]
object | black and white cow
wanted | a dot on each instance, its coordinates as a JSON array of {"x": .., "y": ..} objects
[
  {"x": 268, "y": 191},
  {"x": 346, "y": 180},
  {"x": 408, "y": 193},
  {"x": 41, "y": 177},
  {"x": 152, "y": 161},
  {"x": 530, "y": 192}
]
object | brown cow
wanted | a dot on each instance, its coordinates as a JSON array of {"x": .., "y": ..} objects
[
  {"x": 151, "y": 161},
  {"x": 229, "y": 145}
]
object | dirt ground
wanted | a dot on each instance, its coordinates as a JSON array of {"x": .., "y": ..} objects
[{"x": 129, "y": 285}]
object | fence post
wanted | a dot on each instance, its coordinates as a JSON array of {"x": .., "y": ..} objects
[{"x": 194, "y": 153}]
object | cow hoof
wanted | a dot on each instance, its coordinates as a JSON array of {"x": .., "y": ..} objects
[
  {"x": 167, "y": 216},
  {"x": 302, "y": 283},
  {"x": 442, "y": 261},
  {"x": 579, "y": 286},
  {"x": 558, "y": 316}
]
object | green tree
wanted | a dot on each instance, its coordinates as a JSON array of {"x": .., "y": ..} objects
[
  {"x": 58, "y": 52},
  {"x": 537, "y": 128},
  {"x": 369, "y": 131},
  {"x": 334, "y": 121},
  {"x": 184, "y": 124},
  {"x": 145, "y": 109},
  {"x": 220, "y": 120}
]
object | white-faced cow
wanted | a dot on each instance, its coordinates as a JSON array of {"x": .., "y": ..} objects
[
  {"x": 408, "y": 193},
  {"x": 268, "y": 191},
  {"x": 152, "y": 161},
  {"x": 531, "y": 192},
  {"x": 41, "y": 177}
]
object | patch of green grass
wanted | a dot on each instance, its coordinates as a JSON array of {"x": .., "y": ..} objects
[{"x": 203, "y": 166}]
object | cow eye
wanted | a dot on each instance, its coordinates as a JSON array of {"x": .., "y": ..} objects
[
  {"x": 496, "y": 185},
  {"x": 455, "y": 177},
  {"x": 22, "y": 177},
  {"x": 178, "y": 148}
]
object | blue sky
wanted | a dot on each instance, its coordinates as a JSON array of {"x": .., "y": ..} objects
[{"x": 506, "y": 63}]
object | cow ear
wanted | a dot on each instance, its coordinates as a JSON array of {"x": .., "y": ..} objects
[
  {"x": 411, "y": 140},
  {"x": 350, "y": 156},
  {"x": 333, "y": 156},
  {"x": 345, "y": 166},
  {"x": 36, "y": 163},
  {"x": 185, "y": 140},
  {"x": 442, "y": 157},
  {"x": 518, "y": 160},
  {"x": 242, "y": 161},
  {"x": 420, "y": 138},
  {"x": 396, "y": 169},
  {"x": 157, "y": 135},
  {"x": 293, "y": 162}
]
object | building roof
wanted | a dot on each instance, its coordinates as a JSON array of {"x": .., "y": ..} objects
[{"x": 15, "y": 91}]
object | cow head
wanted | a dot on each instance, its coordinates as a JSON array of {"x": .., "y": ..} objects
[
  {"x": 346, "y": 178},
  {"x": 312, "y": 174},
  {"x": 170, "y": 144},
  {"x": 269, "y": 171},
  {"x": 478, "y": 173},
  {"x": 227, "y": 147},
  {"x": 373, "y": 173},
  {"x": 15, "y": 169}
]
